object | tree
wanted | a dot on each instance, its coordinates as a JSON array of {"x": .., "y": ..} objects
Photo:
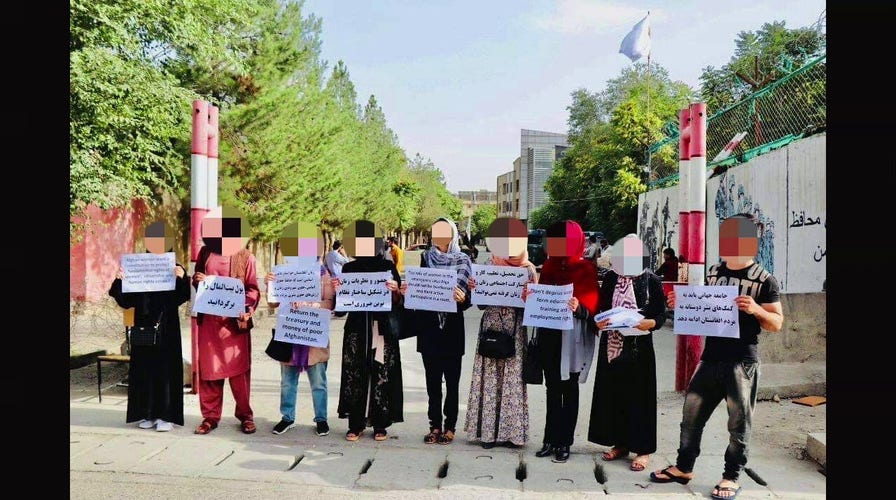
[
  {"x": 760, "y": 58},
  {"x": 598, "y": 180},
  {"x": 129, "y": 107},
  {"x": 482, "y": 218}
]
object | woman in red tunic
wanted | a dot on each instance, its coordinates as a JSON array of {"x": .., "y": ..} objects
[{"x": 225, "y": 348}]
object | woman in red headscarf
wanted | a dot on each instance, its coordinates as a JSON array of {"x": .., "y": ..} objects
[{"x": 566, "y": 354}]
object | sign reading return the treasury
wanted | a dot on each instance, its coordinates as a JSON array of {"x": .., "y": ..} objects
[
  {"x": 499, "y": 285},
  {"x": 306, "y": 326},
  {"x": 546, "y": 307},
  {"x": 706, "y": 310},
  {"x": 220, "y": 295}
]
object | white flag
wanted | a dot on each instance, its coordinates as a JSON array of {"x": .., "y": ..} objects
[{"x": 636, "y": 44}]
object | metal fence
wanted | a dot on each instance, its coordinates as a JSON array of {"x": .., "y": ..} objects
[{"x": 792, "y": 107}]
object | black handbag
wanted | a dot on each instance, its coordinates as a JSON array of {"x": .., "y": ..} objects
[
  {"x": 278, "y": 350},
  {"x": 401, "y": 323},
  {"x": 496, "y": 343},
  {"x": 146, "y": 335},
  {"x": 532, "y": 371}
]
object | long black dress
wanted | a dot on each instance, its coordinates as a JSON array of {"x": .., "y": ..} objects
[
  {"x": 623, "y": 407},
  {"x": 370, "y": 393},
  {"x": 156, "y": 373}
]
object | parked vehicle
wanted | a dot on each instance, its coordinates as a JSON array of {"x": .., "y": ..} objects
[{"x": 536, "y": 247}]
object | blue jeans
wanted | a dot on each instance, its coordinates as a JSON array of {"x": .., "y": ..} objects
[
  {"x": 737, "y": 384},
  {"x": 289, "y": 387}
]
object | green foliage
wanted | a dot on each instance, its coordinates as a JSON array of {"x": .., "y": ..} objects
[
  {"x": 482, "y": 218},
  {"x": 598, "y": 180},
  {"x": 129, "y": 107},
  {"x": 774, "y": 50}
]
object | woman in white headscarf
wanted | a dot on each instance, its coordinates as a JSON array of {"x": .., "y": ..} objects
[
  {"x": 623, "y": 408},
  {"x": 440, "y": 337}
]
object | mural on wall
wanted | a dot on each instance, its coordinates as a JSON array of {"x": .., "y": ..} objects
[
  {"x": 658, "y": 229},
  {"x": 732, "y": 199}
]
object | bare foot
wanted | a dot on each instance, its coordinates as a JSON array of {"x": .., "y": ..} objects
[
  {"x": 726, "y": 493},
  {"x": 675, "y": 472}
]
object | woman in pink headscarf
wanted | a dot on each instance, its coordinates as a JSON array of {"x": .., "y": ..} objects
[{"x": 498, "y": 407}]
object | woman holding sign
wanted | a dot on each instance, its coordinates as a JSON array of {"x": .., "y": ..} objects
[
  {"x": 498, "y": 408},
  {"x": 224, "y": 342},
  {"x": 441, "y": 334},
  {"x": 623, "y": 408},
  {"x": 155, "y": 373},
  {"x": 566, "y": 354},
  {"x": 370, "y": 393}
]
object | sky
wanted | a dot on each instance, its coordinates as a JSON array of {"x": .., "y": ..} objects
[{"x": 458, "y": 79}]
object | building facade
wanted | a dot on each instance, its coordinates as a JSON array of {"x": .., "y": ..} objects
[
  {"x": 474, "y": 199},
  {"x": 521, "y": 190}
]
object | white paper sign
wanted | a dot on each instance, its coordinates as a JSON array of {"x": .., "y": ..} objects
[
  {"x": 306, "y": 326},
  {"x": 147, "y": 272},
  {"x": 546, "y": 307},
  {"x": 622, "y": 320},
  {"x": 499, "y": 285},
  {"x": 295, "y": 283},
  {"x": 706, "y": 310},
  {"x": 220, "y": 295},
  {"x": 364, "y": 292},
  {"x": 431, "y": 289}
]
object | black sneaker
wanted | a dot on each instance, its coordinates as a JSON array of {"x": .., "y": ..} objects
[
  {"x": 323, "y": 429},
  {"x": 283, "y": 426}
]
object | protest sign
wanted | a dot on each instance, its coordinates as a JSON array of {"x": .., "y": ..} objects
[
  {"x": 364, "y": 292},
  {"x": 305, "y": 326},
  {"x": 147, "y": 272},
  {"x": 499, "y": 285},
  {"x": 431, "y": 289},
  {"x": 546, "y": 307},
  {"x": 706, "y": 310}
]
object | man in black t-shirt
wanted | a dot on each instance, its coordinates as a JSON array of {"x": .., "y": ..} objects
[{"x": 729, "y": 367}]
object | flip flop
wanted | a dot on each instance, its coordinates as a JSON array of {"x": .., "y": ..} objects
[
  {"x": 353, "y": 436},
  {"x": 726, "y": 488},
  {"x": 640, "y": 463},
  {"x": 670, "y": 477},
  {"x": 614, "y": 454}
]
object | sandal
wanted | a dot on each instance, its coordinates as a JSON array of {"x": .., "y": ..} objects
[
  {"x": 248, "y": 427},
  {"x": 433, "y": 436},
  {"x": 614, "y": 453},
  {"x": 640, "y": 463},
  {"x": 206, "y": 426},
  {"x": 446, "y": 437},
  {"x": 669, "y": 477},
  {"x": 353, "y": 435},
  {"x": 380, "y": 435},
  {"x": 725, "y": 488}
]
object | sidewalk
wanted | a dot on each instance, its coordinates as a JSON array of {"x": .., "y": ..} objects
[{"x": 113, "y": 459}]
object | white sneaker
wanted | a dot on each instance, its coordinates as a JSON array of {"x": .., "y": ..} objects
[
  {"x": 163, "y": 426},
  {"x": 146, "y": 424}
]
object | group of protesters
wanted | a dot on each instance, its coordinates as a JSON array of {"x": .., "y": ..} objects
[{"x": 623, "y": 414}]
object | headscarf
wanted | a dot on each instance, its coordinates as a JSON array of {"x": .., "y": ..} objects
[
  {"x": 623, "y": 296},
  {"x": 521, "y": 260},
  {"x": 573, "y": 269},
  {"x": 452, "y": 259}
]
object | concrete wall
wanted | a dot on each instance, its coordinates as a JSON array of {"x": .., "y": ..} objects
[{"x": 785, "y": 190}]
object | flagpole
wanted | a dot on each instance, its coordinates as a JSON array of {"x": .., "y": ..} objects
[{"x": 647, "y": 116}]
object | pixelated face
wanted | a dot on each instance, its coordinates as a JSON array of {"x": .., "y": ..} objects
[
  {"x": 225, "y": 231},
  {"x": 738, "y": 240},
  {"x": 442, "y": 234},
  {"x": 507, "y": 237},
  {"x": 158, "y": 237},
  {"x": 560, "y": 244},
  {"x": 301, "y": 239},
  {"x": 629, "y": 256},
  {"x": 362, "y": 239}
]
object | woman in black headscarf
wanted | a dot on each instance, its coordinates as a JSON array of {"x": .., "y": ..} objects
[
  {"x": 155, "y": 373},
  {"x": 370, "y": 393}
]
